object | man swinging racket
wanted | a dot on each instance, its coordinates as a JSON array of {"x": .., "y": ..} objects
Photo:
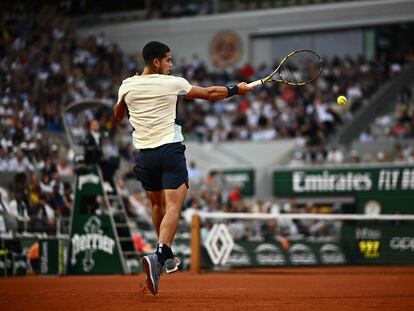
[{"x": 151, "y": 100}]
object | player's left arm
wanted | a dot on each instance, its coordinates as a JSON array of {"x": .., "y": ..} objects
[{"x": 120, "y": 110}]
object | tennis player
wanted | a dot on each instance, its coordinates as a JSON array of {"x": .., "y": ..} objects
[{"x": 151, "y": 100}]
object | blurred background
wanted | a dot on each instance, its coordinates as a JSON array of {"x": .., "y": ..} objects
[{"x": 62, "y": 62}]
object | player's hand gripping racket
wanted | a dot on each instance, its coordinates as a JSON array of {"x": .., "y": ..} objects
[{"x": 297, "y": 68}]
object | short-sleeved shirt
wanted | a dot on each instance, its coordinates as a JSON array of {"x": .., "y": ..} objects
[{"x": 152, "y": 106}]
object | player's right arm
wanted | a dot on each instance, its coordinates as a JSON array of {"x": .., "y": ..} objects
[{"x": 216, "y": 92}]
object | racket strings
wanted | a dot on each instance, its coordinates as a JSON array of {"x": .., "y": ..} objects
[
  {"x": 290, "y": 76},
  {"x": 301, "y": 67}
]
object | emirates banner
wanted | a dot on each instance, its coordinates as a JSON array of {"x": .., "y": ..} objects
[{"x": 385, "y": 189}]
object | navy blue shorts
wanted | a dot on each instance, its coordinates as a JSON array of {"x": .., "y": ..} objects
[{"x": 164, "y": 167}]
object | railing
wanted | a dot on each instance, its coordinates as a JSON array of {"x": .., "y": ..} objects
[{"x": 59, "y": 229}]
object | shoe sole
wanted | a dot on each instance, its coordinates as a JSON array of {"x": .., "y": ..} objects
[
  {"x": 178, "y": 262},
  {"x": 171, "y": 271},
  {"x": 148, "y": 271}
]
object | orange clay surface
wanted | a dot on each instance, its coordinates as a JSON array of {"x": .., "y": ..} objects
[{"x": 331, "y": 288}]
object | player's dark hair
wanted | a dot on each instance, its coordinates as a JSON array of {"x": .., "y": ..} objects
[{"x": 152, "y": 50}]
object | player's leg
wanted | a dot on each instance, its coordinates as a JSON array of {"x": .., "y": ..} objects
[
  {"x": 174, "y": 199},
  {"x": 175, "y": 184},
  {"x": 148, "y": 171},
  {"x": 157, "y": 199}
]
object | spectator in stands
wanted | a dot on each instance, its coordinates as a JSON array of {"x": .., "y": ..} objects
[
  {"x": 194, "y": 175},
  {"x": 46, "y": 184},
  {"x": 271, "y": 232},
  {"x": 93, "y": 143},
  {"x": 94, "y": 152},
  {"x": 42, "y": 216},
  {"x": 56, "y": 200},
  {"x": 8, "y": 220},
  {"x": 366, "y": 136},
  {"x": 21, "y": 186},
  {"x": 63, "y": 168},
  {"x": 19, "y": 209},
  {"x": 335, "y": 155},
  {"x": 355, "y": 158},
  {"x": 68, "y": 197},
  {"x": 139, "y": 207},
  {"x": 194, "y": 209},
  {"x": 4, "y": 161},
  {"x": 20, "y": 163}
]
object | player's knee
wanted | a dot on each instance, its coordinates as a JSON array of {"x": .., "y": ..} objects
[
  {"x": 173, "y": 208},
  {"x": 158, "y": 208}
]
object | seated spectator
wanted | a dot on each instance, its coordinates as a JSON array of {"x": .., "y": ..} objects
[
  {"x": 194, "y": 209},
  {"x": 335, "y": 155},
  {"x": 56, "y": 200},
  {"x": 46, "y": 184},
  {"x": 194, "y": 175},
  {"x": 4, "y": 160},
  {"x": 68, "y": 197},
  {"x": 139, "y": 207},
  {"x": 20, "y": 163},
  {"x": 42, "y": 216},
  {"x": 20, "y": 210},
  {"x": 271, "y": 233},
  {"x": 63, "y": 168}
]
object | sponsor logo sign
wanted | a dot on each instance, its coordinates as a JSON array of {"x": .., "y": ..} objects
[
  {"x": 92, "y": 241},
  {"x": 369, "y": 187},
  {"x": 402, "y": 244},
  {"x": 367, "y": 233},
  {"x": 87, "y": 179},
  {"x": 301, "y": 254},
  {"x": 219, "y": 244},
  {"x": 239, "y": 257},
  {"x": 331, "y": 254},
  {"x": 330, "y": 182},
  {"x": 270, "y": 255}
]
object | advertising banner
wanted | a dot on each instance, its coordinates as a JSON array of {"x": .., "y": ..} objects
[
  {"x": 93, "y": 245},
  {"x": 52, "y": 256},
  {"x": 380, "y": 243},
  {"x": 243, "y": 178},
  {"x": 300, "y": 253},
  {"x": 385, "y": 189}
]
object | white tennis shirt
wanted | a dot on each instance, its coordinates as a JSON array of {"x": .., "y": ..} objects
[{"x": 152, "y": 105}]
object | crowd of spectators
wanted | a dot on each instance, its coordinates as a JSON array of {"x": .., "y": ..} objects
[
  {"x": 44, "y": 65},
  {"x": 393, "y": 131}
]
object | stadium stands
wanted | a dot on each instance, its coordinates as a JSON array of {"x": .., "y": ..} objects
[{"x": 44, "y": 64}]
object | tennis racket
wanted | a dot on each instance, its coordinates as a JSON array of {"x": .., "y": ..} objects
[{"x": 297, "y": 68}]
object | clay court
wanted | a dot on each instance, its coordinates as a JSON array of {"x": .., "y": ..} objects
[{"x": 333, "y": 288}]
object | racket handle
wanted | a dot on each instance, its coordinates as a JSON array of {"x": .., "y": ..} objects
[{"x": 255, "y": 83}]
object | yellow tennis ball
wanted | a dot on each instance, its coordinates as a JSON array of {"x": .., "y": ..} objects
[{"x": 341, "y": 100}]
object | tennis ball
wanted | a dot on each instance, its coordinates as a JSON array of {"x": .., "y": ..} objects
[{"x": 341, "y": 100}]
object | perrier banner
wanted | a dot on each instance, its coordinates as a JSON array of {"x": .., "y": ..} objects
[
  {"x": 387, "y": 188},
  {"x": 93, "y": 245}
]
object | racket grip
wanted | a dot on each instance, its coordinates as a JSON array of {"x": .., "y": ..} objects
[{"x": 255, "y": 83}]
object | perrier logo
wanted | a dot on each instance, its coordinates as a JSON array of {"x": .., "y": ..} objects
[{"x": 90, "y": 242}]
